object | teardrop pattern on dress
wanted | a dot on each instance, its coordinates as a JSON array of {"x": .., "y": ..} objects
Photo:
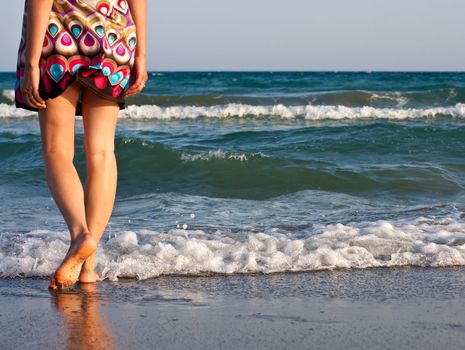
[{"x": 93, "y": 41}]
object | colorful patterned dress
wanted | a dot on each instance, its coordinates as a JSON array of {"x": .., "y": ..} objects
[{"x": 92, "y": 41}]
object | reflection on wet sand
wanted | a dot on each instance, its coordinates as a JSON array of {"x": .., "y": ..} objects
[{"x": 84, "y": 324}]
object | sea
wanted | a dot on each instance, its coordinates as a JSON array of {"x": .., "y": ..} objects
[{"x": 256, "y": 172}]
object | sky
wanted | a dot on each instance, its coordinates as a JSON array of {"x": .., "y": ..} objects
[{"x": 300, "y": 35}]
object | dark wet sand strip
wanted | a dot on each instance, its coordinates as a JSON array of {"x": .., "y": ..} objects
[{"x": 402, "y": 308}]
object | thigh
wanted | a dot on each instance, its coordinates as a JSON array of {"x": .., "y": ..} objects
[
  {"x": 99, "y": 118},
  {"x": 57, "y": 121}
]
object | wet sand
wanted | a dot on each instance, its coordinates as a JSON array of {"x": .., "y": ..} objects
[{"x": 401, "y": 308}]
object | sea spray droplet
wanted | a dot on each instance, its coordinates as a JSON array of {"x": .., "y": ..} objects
[
  {"x": 184, "y": 226},
  {"x": 192, "y": 215}
]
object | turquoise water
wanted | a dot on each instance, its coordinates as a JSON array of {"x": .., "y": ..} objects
[{"x": 258, "y": 172}]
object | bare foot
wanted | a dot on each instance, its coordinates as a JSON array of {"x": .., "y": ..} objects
[
  {"x": 68, "y": 272},
  {"x": 88, "y": 276}
]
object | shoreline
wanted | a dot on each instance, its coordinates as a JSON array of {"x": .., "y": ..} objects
[{"x": 379, "y": 308}]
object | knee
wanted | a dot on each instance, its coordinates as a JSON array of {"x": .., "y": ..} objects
[
  {"x": 100, "y": 156},
  {"x": 52, "y": 154}
]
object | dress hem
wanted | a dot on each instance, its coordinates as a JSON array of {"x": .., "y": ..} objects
[{"x": 84, "y": 83}]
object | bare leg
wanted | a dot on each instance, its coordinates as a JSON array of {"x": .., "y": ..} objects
[
  {"x": 99, "y": 118},
  {"x": 57, "y": 132}
]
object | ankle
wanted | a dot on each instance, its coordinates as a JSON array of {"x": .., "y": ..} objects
[
  {"x": 87, "y": 269},
  {"x": 86, "y": 233},
  {"x": 89, "y": 264},
  {"x": 78, "y": 231}
]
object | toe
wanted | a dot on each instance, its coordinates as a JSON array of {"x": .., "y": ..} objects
[
  {"x": 62, "y": 285},
  {"x": 53, "y": 282}
]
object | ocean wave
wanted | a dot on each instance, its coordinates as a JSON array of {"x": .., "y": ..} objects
[
  {"x": 397, "y": 97},
  {"x": 428, "y": 242},
  {"x": 10, "y": 111},
  {"x": 237, "y": 110},
  {"x": 309, "y": 112},
  {"x": 9, "y": 95},
  {"x": 444, "y": 97},
  {"x": 220, "y": 154}
]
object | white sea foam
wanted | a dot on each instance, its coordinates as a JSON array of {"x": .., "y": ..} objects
[
  {"x": 396, "y": 96},
  {"x": 9, "y": 111},
  {"x": 237, "y": 110},
  {"x": 9, "y": 94},
  {"x": 220, "y": 154},
  {"x": 146, "y": 254},
  {"x": 310, "y": 112},
  {"x": 452, "y": 94}
]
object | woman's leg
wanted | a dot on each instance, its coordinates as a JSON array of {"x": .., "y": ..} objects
[
  {"x": 99, "y": 118},
  {"x": 57, "y": 132}
]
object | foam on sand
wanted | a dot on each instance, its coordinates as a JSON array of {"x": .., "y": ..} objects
[{"x": 147, "y": 254}]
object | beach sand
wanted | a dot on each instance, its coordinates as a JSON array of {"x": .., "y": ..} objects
[{"x": 378, "y": 308}]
